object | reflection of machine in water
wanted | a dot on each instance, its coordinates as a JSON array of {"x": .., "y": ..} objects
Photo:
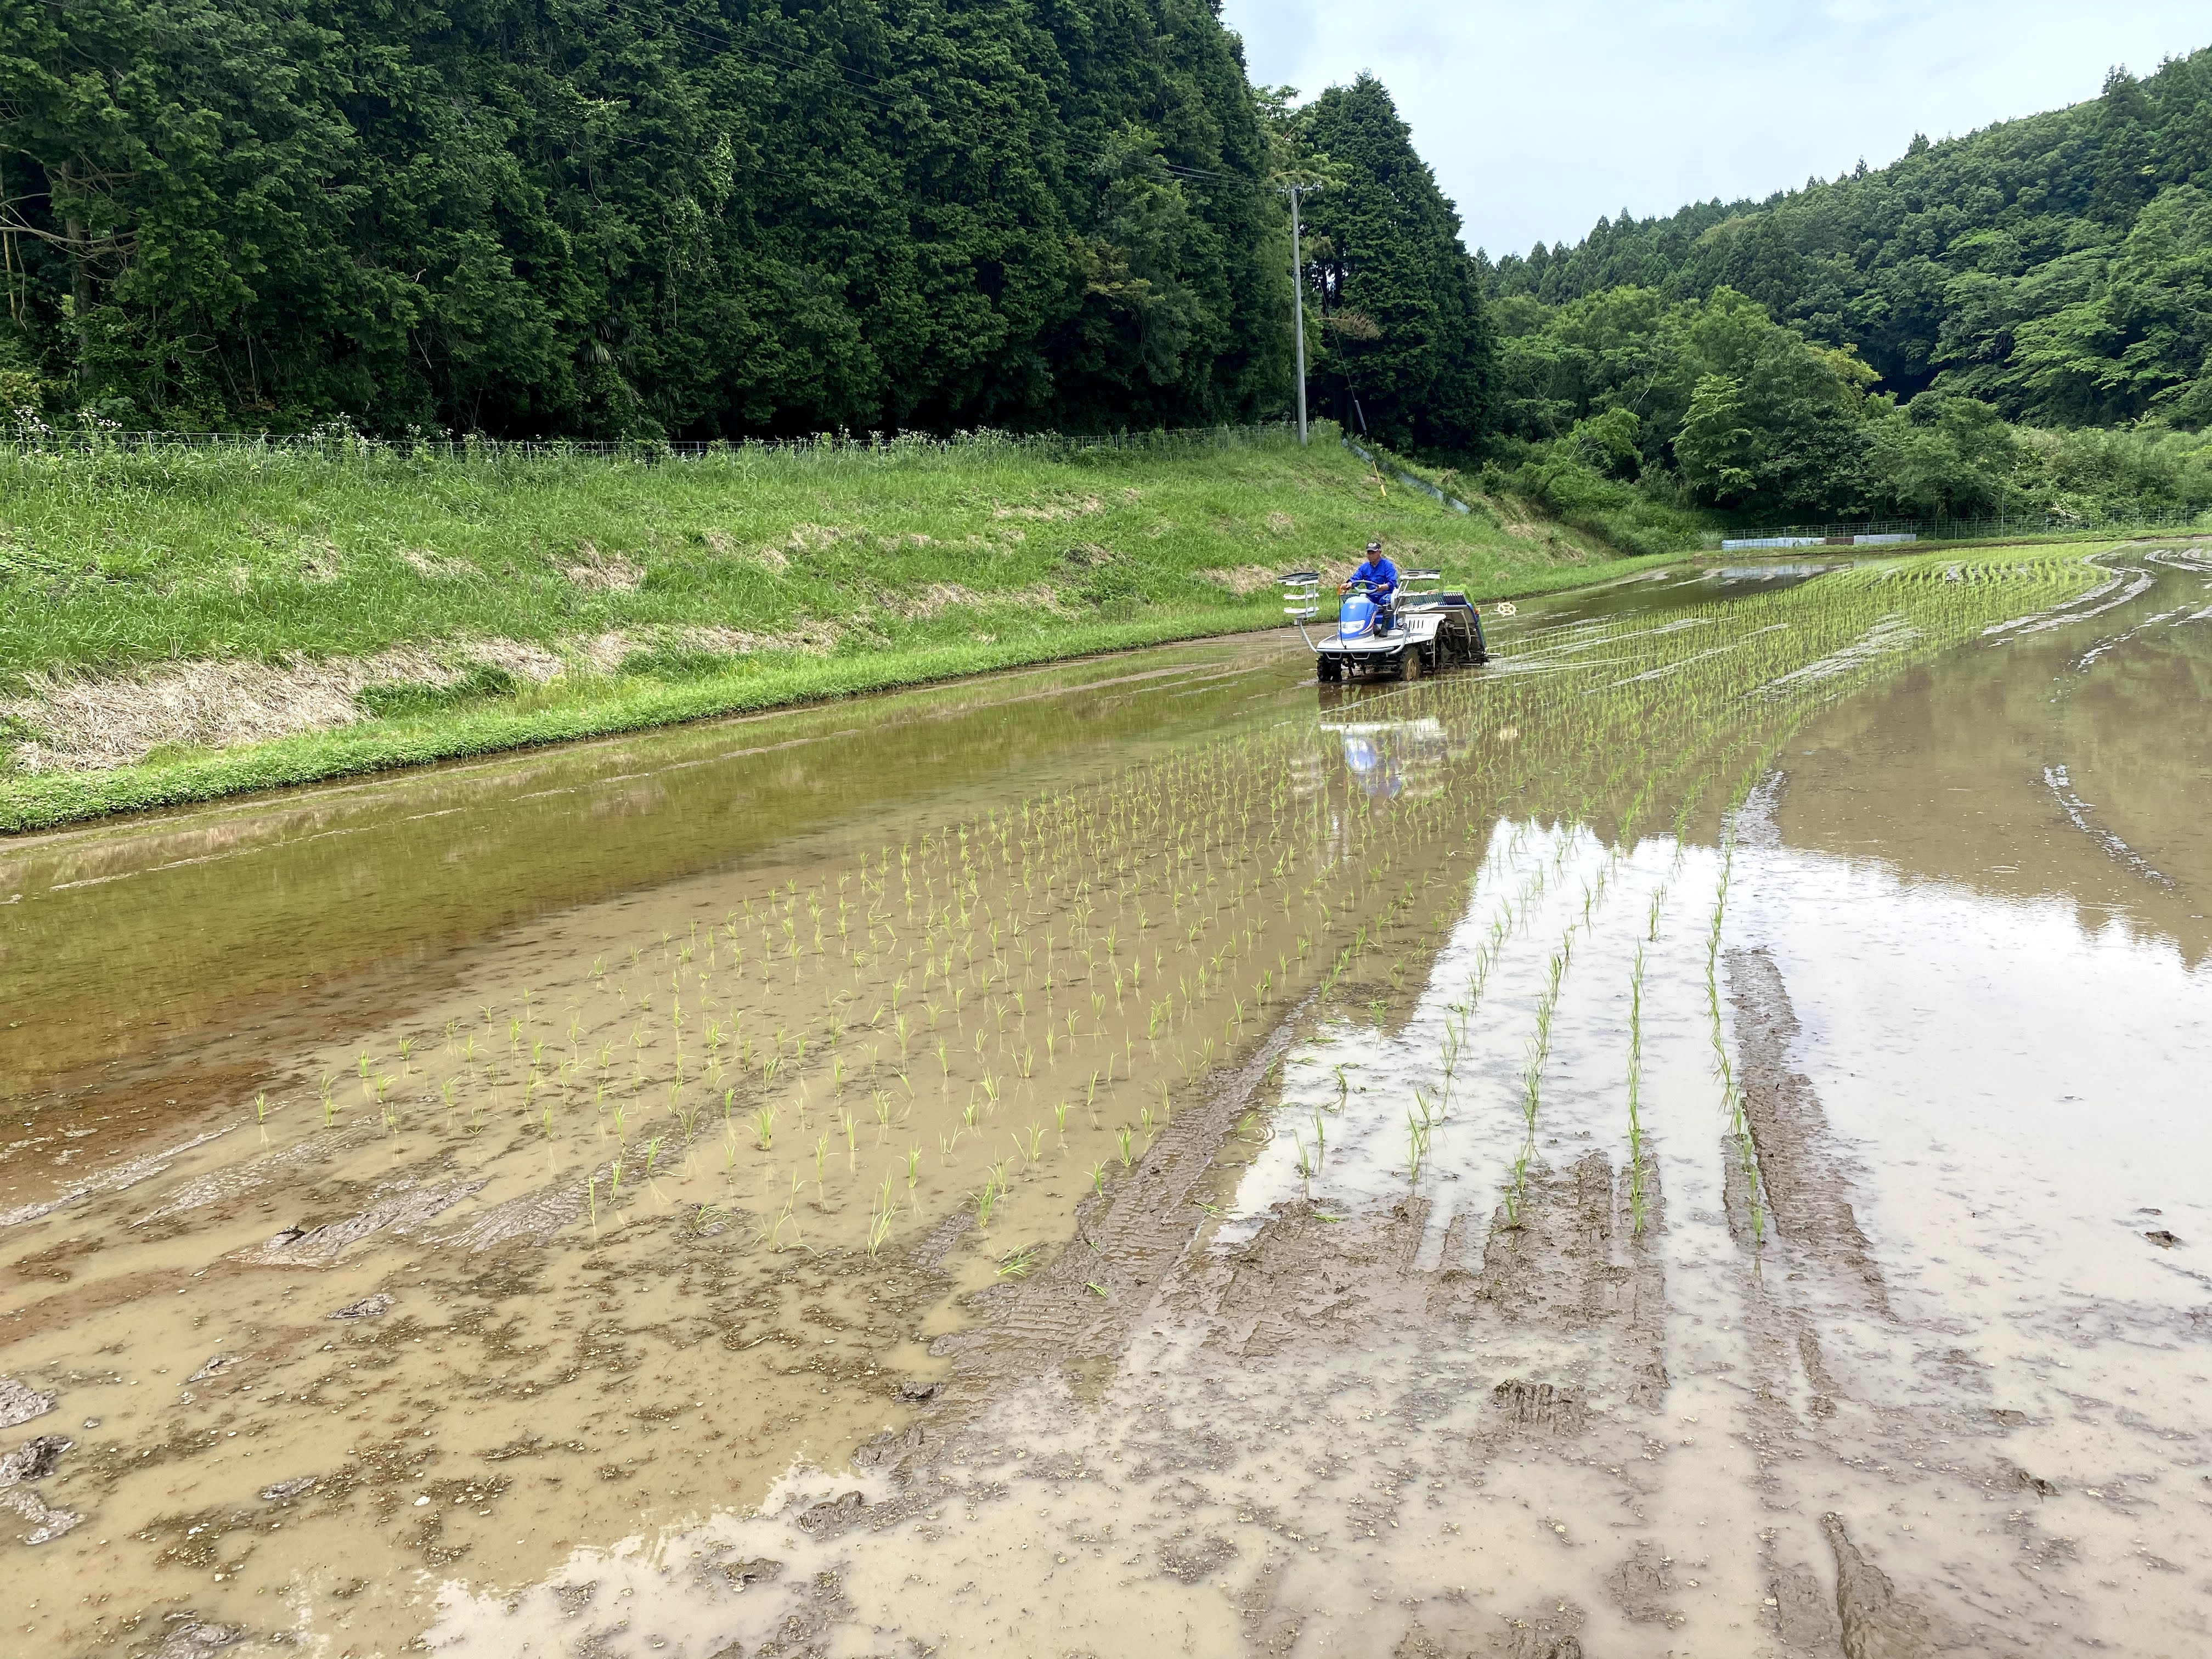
[
  {"x": 1384, "y": 759},
  {"x": 1389, "y": 758}
]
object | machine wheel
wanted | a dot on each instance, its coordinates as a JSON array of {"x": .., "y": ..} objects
[
  {"x": 1409, "y": 663},
  {"x": 1328, "y": 668}
]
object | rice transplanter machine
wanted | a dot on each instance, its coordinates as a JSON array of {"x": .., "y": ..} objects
[{"x": 1428, "y": 630}]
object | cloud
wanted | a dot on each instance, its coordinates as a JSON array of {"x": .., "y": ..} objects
[{"x": 1538, "y": 118}]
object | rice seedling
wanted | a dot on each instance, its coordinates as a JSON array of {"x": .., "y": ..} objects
[
  {"x": 763, "y": 1127},
  {"x": 774, "y": 1238},
  {"x": 1517, "y": 1189},
  {"x": 1126, "y": 1137},
  {"x": 1417, "y": 1146},
  {"x": 1015, "y": 1264},
  {"x": 983, "y": 1201}
]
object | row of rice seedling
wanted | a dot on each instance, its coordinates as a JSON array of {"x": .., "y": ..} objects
[
  {"x": 928, "y": 1022},
  {"x": 1729, "y": 703}
]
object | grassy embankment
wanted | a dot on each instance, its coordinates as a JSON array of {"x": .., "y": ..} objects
[{"x": 182, "y": 626}]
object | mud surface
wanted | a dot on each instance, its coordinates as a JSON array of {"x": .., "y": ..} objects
[{"x": 1682, "y": 1144}]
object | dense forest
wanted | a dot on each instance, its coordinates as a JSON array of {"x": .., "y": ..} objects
[
  {"x": 2018, "y": 319},
  {"x": 1405, "y": 345},
  {"x": 607, "y": 217},
  {"x": 723, "y": 218},
  {"x": 699, "y": 218}
]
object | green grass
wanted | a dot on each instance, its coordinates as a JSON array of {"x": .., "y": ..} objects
[{"x": 650, "y": 593}]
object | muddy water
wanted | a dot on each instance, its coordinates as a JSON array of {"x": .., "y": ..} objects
[{"x": 1684, "y": 1142}]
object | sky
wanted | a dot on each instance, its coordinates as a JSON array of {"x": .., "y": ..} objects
[{"x": 1540, "y": 116}]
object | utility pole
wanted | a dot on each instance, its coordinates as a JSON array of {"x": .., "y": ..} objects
[{"x": 1298, "y": 301}]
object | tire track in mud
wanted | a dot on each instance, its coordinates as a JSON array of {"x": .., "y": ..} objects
[
  {"x": 230, "y": 1183},
  {"x": 1808, "y": 1186},
  {"x": 1306, "y": 1282},
  {"x": 1818, "y": 1428},
  {"x": 1842, "y": 1613},
  {"x": 114, "y": 1179},
  {"x": 401, "y": 1211},
  {"x": 1126, "y": 1241},
  {"x": 1573, "y": 1262}
]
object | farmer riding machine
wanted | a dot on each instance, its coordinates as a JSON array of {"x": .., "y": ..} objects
[{"x": 1421, "y": 630}]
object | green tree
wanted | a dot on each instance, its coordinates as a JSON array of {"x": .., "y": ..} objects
[
  {"x": 701, "y": 218},
  {"x": 1406, "y": 331},
  {"x": 1941, "y": 457},
  {"x": 1774, "y": 424},
  {"x": 2004, "y": 266},
  {"x": 1718, "y": 445},
  {"x": 1607, "y": 443}
]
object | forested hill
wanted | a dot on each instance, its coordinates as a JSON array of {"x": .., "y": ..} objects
[
  {"x": 608, "y": 217},
  {"x": 2058, "y": 267}
]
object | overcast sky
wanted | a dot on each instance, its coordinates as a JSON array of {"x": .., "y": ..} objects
[{"x": 1540, "y": 115}]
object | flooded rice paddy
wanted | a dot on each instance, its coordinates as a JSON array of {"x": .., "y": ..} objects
[{"x": 1690, "y": 1140}]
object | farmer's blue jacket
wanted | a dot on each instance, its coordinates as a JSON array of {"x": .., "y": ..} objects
[{"x": 1381, "y": 573}]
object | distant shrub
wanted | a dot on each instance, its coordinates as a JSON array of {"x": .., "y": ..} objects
[
  {"x": 407, "y": 700},
  {"x": 678, "y": 663}
]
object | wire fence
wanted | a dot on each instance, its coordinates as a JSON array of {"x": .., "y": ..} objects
[
  {"x": 339, "y": 442},
  {"x": 1998, "y": 527}
]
